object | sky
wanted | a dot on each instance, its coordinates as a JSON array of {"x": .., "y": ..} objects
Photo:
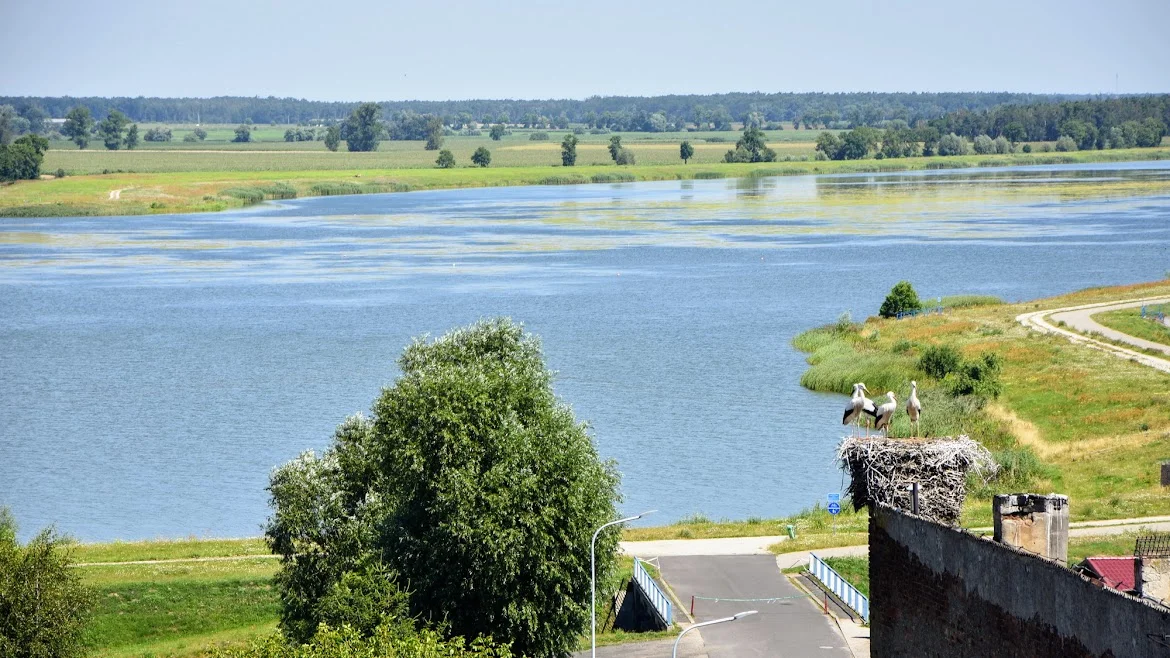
[{"x": 448, "y": 49}]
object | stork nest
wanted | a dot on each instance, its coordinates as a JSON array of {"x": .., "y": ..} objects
[{"x": 881, "y": 471}]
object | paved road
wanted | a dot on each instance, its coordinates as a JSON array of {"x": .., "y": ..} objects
[
  {"x": 788, "y": 627},
  {"x": 1039, "y": 320},
  {"x": 1081, "y": 320}
]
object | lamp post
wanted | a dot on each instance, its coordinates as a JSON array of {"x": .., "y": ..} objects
[
  {"x": 674, "y": 654},
  {"x": 593, "y": 577}
]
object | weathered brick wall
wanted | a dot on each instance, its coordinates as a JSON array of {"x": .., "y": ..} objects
[{"x": 938, "y": 591}]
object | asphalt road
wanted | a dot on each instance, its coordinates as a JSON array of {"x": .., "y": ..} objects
[{"x": 790, "y": 626}]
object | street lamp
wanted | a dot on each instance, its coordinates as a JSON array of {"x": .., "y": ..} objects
[
  {"x": 674, "y": 654},
  {"x": 593, "y": 576}
]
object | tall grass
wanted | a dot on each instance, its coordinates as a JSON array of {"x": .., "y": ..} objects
[
  {"x": 968, "y": 301},
  {"x": 563, "y": 179},
  {"x": 619, "y": 177}
]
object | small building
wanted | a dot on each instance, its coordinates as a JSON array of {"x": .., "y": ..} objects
[{"x": 1114, "y": 572}]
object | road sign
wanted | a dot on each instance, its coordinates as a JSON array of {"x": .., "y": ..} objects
[
  {"x": 833, "y": 497},
  {"x": 834, "y": 508}
]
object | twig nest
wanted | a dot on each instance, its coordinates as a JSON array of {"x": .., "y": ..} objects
[{"x": 881, "y": 471}]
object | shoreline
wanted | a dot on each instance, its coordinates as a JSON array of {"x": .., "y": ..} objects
[{"x": 198, "y": 192}]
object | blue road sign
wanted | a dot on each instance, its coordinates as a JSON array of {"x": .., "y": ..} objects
[
  {"x": 834, "y": 508},
  {"x": 833, "y": 497}
]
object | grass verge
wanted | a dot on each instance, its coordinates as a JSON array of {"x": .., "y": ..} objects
[{"x": 1130, "y": 321}]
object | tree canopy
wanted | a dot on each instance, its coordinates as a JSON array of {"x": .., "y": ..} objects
[
  {"x": 111, "y": 129},
  {"x": 43, "y": 605},
  {"x": 569, "y": 150},
  {"x": 482, "y": 157},
  {"x": 472, "y": 488},
  {"x": 686, "y": 151},
  {"x": 21, "y": 160},
  {"x": 751, "y": 148},
  {"x": 77, "y": 126},
  {"x": 902, "y": 298},
  {"x": 363, "y": 129}
]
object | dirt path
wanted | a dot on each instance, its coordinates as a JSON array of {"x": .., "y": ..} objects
[
  {"x": 1039, "y": 320},
  {"x": 115, "y": 195}
]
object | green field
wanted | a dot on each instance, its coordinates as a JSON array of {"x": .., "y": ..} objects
[
  {"x": 1130, "y": 321},
  {"x": 1070, "y": 419}
]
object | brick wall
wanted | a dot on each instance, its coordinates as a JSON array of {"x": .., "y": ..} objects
[{"x": 937, "y": 591}]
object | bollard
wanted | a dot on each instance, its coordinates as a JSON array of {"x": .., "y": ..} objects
[
  {"x": 792, "y": 532},
  {"x": 826, "y": 603},
  {"x": 692, "y": 605}
]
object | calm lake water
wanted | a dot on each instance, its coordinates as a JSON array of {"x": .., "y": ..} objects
[{"x": 154, "y": 369}]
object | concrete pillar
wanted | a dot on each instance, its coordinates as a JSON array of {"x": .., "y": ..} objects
[
  {"x": 1035, "y": 523},
  {"x": 1166, "y": 474}
]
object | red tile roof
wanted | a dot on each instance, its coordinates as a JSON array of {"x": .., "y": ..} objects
[{"x": 1117, "y": 572}]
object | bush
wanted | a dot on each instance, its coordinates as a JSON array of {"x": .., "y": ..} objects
[
  {"x": 446, "y": 159},
  {"x": 938, "y": 361},
  {"x": 625, "y": 157},
  {"x": 1027, "y": 148},
  {"x": 243, "y": 134},
  {"x": 539, "y": 136},
  {"x": 902, "y": 298},
  {"x": 984, "y": 145},
  {"x": 1002, "y": 145},
  {"x": 1066, "y": 143},
  {"x": 43, "y": 605},
  {"x": 386, "y": 641},
  {"x": 157, "y": 135},
  {"x": 978, "y": 377},
  {"x": 472, "y": 483},
  {"x": 190, "y": 137},
  {"x": 60, "y": 173}
]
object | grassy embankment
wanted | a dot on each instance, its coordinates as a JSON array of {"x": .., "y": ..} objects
[
  {"x": 173, "y": 179},
  {"x": 1130, "y": 321},
  {"x": 219, "y": 593},
  {"x": 1070, "y": 419}
]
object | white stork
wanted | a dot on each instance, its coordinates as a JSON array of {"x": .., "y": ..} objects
[
  {"x": 885, "y": 414},
  {"x": 914, "y": 407},
  {"x": 868, "y": 407},
  {"x": 854, "y": 408}
]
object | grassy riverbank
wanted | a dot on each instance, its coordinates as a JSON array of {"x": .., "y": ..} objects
[
  {"x": 124, "y": 193},
  {"x": 1070, "y": 419}
]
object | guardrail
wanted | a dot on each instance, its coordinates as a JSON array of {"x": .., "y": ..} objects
[
  {"x": 658, "y": 600},
  {"x": 936, "y": 310},
  {"x": 848, "y": 594}
]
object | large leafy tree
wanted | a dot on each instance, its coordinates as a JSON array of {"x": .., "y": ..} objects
[
  {"x": 77, "y": 126},
  {"x": 363, "y": 129},
  {"x": 473, "y": 485},
  {"x": 686, "y": 151},
  {"x": 482, "y": 157},
  {"x": 902, "y": 298},
  {"x": 751, "y": 147},
  {"x": 21, "y": 160},
  {"x": 434, "y": 133},
  {"x": 111, "y": 129},
  {"x": 569, "y": 150},
  {"x": 43, "y": 605}
]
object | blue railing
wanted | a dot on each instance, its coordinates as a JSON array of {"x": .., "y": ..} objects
[
  {"x": 920, "y": 311},
  {"x": 848, "y": 594},
  {"x": 659, "y": 601},
  {"x": 1157, "y": 316}
]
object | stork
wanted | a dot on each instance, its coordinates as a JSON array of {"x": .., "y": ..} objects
[
  {"x": 885, "y": 414},
  {"x": 854, "y": 409},
  {"x": 914, "y": 407},
  {"x": 867, "y": 407}
]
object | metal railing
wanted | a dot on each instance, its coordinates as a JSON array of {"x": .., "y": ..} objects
[
  {"x": 658, "y": 600},
  {"x": 848, "y": 594}
]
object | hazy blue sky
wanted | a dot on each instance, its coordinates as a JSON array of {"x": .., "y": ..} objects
[{"x": 445, "y": 49}]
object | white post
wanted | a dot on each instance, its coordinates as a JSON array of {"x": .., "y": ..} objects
[
  {"x": 674, "y": 654},
  {"x": 593, "y": 577}
]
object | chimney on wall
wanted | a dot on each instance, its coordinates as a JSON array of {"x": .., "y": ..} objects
[
  {"x": 1151, "y": 566},
  {"x": 1035, "y": 523}
]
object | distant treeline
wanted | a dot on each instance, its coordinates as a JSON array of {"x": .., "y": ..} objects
[
  {"x": 653, "y": 113},
  {"x": 1088, "y": 122}
]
